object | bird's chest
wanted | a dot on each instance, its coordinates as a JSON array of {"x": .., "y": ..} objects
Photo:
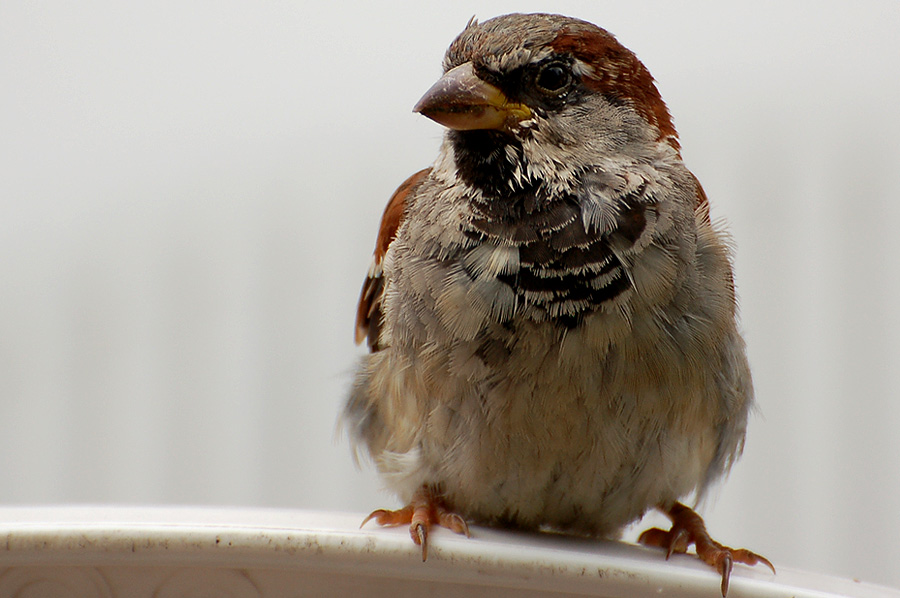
[
  {"x": 565, "y": 269},
  {"x": 522, "y": 257}
]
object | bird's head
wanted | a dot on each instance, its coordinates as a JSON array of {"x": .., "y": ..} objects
[{"x": 547, "y": 95}]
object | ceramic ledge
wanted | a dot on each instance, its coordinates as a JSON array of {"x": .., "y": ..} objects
[{"x": 191, "y": 552}]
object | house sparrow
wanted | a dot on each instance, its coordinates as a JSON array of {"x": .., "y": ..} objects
[{"x": 550, "y": 312}]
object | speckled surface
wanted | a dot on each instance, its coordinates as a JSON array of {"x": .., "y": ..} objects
[{"x": 165, "y": 552}]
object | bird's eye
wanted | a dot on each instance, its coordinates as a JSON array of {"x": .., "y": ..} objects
[{"x": 553, "y": 78}]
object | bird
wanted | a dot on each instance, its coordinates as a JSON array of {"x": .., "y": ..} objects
[{"x": 550, "y": 311}]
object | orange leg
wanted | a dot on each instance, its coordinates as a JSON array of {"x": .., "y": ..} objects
[
  {"x": 688, "y": 528},
  {"x": 424, "y": 510}
]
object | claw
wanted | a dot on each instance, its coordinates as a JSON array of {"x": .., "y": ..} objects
[
  {"x": 688, "y": 528},
  {"x": 389, "y": 518},
  {"x": 679, "y": 543},
  {"x": 373, "y": 515},
  {"x": 454, "y": 523},
  {"x": 419, "y": 534},
  {"x": 725, "y": 568},
  {"x": 765, "y": 562},
  {"x": 424, "y": 510},
  {"x": 367, "y": 519}
]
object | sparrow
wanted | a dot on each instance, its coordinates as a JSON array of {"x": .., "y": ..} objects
[{"x": 550, "y": 311}]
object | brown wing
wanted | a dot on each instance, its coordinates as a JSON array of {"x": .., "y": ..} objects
[{"x": 368, "y": 314}]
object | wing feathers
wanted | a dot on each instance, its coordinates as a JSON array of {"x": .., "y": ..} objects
[{"x": 368, "y": 313}]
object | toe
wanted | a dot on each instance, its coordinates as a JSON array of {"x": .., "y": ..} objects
[
  {"x": 426, "y": 508},
  {"x": 389, "y": 518},
  {"x": 688, "y": 528}
]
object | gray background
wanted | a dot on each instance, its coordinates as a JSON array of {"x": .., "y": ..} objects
[{"x": 189, "y": 194}]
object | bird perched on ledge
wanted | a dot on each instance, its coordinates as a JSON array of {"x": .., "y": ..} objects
[{"x": 550, "y": 311}]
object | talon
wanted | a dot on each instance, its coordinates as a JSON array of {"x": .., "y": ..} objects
[
  {"x": 373, "y": 515},
  {"x": 389, "y": 518},
  {"x": 725, "y": 568},
  {"x": 765, "y": 562},
  {"x": 688, "y": 528},
  {"x": 419, "y": 534},
  {"x": 424, "y": 510},
  {"x": 456, "y": 524},
  {"x": 679, "y": 542}
]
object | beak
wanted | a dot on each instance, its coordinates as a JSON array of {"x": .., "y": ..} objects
[{"x": 461, "y": 100}]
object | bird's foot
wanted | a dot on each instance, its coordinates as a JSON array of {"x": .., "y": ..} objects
[
  {"x": 688, "y": 528},
  {"x": 424, "y": 510}
]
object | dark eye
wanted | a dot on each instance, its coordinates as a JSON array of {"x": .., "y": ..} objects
[{"x": 553, "y": 78}]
